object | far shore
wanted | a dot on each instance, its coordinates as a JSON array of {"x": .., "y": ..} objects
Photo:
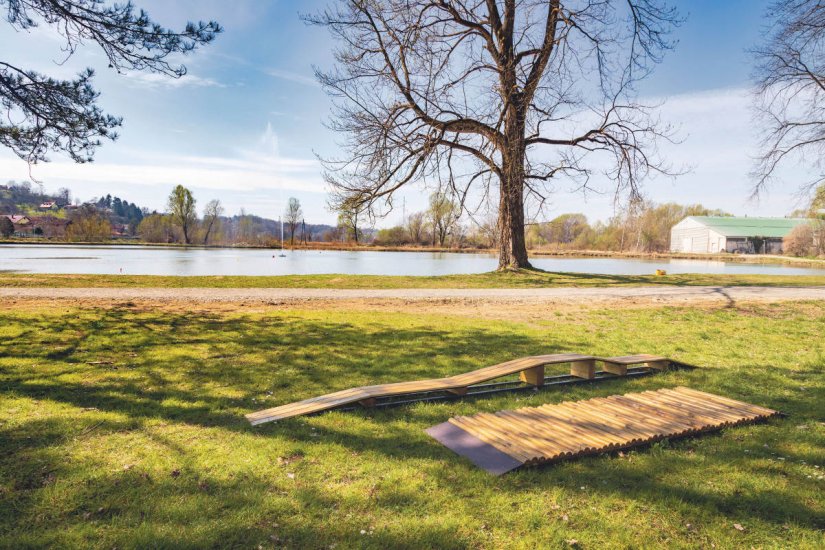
[{"x": 534, "y": 252}]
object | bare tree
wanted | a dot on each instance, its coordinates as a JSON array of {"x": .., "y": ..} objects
[
  {"x": 181, "y": 207},
  {"x": 43, "y": 114},
  {"x": 350, "y": 217},
  {"x": 481, "y": 93},
  {"x": 443, "y": 214},
  {"x": 790, "y": 88},
  {"x": 211, "y": 214},
  {"x": 292, "y": 217},
  {"x": 415, "y": 227}
]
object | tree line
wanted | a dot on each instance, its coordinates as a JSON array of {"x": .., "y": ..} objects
[
  {"x": 642, "y": 226},
  {"x": 183, "y": 223}
]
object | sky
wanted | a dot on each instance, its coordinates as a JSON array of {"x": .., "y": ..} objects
[{"x": 246, "y": 122}]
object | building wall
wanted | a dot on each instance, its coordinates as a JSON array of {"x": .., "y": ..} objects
[{"x": 690, "y": 236}]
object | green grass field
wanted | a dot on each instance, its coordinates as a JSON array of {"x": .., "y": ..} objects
[
  {"x": 509, "y": 279},
  {"x": 124, "y": 428}
]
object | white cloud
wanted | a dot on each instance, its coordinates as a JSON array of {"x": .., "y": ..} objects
[
  {"x": 159, "y": 81},
  {"x": 259, "y": 167},
  {"x": 208, "y": 173},
  {"x": 294, "y": 77}
]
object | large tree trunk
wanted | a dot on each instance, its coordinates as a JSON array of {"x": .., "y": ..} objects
[{"x": 512, "y": 253}]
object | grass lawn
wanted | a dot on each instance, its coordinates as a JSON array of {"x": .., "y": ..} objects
[
  {"x": 515, "y": 279},
  {"x": 123, "y": 427}
]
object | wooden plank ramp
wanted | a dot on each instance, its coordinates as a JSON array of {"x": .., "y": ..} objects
[
  {"x": 530, "y": 370},
  {"x": 506, "y": 440}
]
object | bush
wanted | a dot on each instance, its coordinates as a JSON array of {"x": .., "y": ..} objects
[
  {"x": 800, "y": 241},
  {"x": 392, "y": 236}
]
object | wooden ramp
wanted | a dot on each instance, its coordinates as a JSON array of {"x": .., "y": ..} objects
[
  {"x": 506, "y": 440},
  {"x": 529, "y": 369}
]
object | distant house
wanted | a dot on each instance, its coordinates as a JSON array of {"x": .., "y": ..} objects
[
  {"x": 49, "y": 226},
  {"x": 711, "y": 234},
  {"x": 49, "y": 205},
  {"x": 22, "y": 224}
]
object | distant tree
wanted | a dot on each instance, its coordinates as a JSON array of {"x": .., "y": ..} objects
[
  {"x": 349, "y": 220},
  {"x": 790, "y": 87},
  {"x": 156, "y": 228},
  {"x": 800, "y": 241},
  {"x": 563, "y": 229},
  {"x": 6, "y": 227},
  {"x": 181, "y": 207},
  {"x": 443, "y": 214},
  {"x": 292, "y": 217},
  {"x": 817, "y": 206},
  {"x": 64, "y": 196},
  {"x": 392, "y": 236},
  {"x": 244, "y": 227},
  {"x": 487, "y": 232},
  {"x": 416, "y": 223},
  {"x": 211, "y": 214},
  {"x": 45, "y": 114},
  {"x": 88, "y": 225}
]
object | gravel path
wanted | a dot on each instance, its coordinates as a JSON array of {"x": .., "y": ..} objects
[{"x": 651, "y": 294}]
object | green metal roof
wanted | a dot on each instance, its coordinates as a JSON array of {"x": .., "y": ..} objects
[{"x": 730, "y": 226}]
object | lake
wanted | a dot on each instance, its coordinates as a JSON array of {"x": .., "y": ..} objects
[{"x": 146, "y": 260}]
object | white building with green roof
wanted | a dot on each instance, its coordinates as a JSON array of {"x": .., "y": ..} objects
[{"x": 711, "y": 234}]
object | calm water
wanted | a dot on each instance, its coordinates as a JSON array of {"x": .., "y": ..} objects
[{"x": 139, "y": 260}]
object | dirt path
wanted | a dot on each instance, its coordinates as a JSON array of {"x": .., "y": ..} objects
[{"x": 660, "y": 295}]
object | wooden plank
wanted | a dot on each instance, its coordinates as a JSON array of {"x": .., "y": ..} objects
[
  {"x": 552, "y": 432},
  {"x": 583, "y": 369},
  {"x": 534, "y": 376},
  {"x": 619, "y": 369}
]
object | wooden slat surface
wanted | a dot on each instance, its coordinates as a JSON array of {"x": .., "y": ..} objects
[
  {"x": 552, "y": 432},
  {"x": 458, "y": 382}
]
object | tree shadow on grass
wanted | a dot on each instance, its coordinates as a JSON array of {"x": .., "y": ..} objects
[
  {"x": 210, "y": 371},
  {"x": 142, "y": 508}
]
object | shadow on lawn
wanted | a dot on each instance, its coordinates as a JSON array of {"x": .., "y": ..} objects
[
  {"x": 140, "y": 508},
  {"x": 175, "y": 366}
]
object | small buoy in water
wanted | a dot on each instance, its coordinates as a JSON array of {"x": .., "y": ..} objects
[{"x": 660, "y": 272}]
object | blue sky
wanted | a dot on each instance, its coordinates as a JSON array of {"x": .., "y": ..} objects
[{"x": 244, "y": 124}]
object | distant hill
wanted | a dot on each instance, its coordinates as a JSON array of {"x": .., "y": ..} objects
[{"x": 26, "y": 198}]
